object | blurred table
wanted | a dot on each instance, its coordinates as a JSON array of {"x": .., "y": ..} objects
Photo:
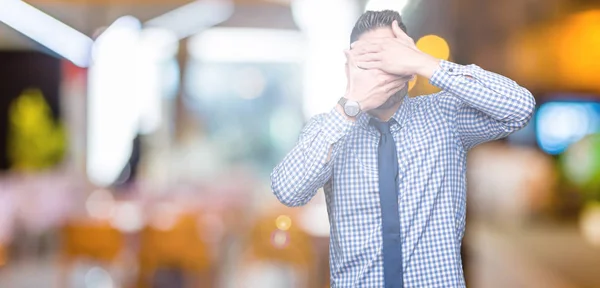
[{"x": 548, "y": 255}]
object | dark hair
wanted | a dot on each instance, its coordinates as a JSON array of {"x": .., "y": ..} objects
[{"x": 371, "y": 20}]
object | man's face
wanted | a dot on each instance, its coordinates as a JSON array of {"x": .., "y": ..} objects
[{"x": 386, "y": 32}]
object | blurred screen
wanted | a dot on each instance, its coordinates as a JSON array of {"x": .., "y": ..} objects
[
  {"x": 251, "y": 111},
  {"x": 559, "y": 124}
]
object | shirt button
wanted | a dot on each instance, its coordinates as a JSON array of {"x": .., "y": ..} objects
[{"x": 451, "y": 70}]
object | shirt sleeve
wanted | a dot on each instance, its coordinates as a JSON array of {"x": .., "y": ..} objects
[
  {"x": 481, "y": 105},
  {"x": 308, "y": 166}
]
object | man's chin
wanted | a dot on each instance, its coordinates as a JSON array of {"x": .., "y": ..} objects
[{"x": 394, "y": 99}]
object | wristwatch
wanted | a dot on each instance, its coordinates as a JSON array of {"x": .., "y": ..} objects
[{"x": 351, "y": 108}]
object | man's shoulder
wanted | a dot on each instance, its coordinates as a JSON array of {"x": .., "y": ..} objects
[
  {"x": 316, "y": 119},
  {"x": 432, "y": 96},
  {"x": 429, "y": 98},
  {"x": 441, "y": 101}
]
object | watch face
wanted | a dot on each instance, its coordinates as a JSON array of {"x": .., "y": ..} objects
[{"x": 351, "y": 108}]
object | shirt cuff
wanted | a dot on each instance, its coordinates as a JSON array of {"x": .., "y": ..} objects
[
  {"x": 445, "y": 77},
  {"x": 336, "y": 126}
]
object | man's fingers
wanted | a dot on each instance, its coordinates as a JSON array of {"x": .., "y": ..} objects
[
  {"x": 398, "y": 81},
  {"x": 369, "y": 65},
  {"x": 397, "y": 87},
  {"x": 407, "y": 78},
  {"x": 367, "y": 57},
  {"x": 380, "y": 44},
  {"x": 401, "y": 35},
  {"x": 397, "y": 30},
  {"x": 364, "y": 47},
  {"x": 394, "y": 85},
  {"x": 395, "y": 90},
  {"x": 369, "y": 41}
]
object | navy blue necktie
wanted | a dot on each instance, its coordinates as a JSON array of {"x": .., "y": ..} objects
[{"x": 388, "y": 197}]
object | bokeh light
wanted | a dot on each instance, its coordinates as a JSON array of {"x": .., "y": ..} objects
[
  {"x": 589, "y": 223},
  {"x": 581, "y": 165},
  {"x": 560, "y": 124},
  {"x": 435, "y": 46},
  {"x": 165, "y": 216},
  {"x": 127, "y": 217},
  {"x": 283, "y": 222},
  {"x": 280, "y": 239},
  {"x": 100, "y": 204},
  {"x": 573, "y": 56},
  {"x": 578, "y": 48},
  {"x": 98, "y": 278}
]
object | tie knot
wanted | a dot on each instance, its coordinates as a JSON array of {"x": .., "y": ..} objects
[{"x": 382, "y": 127}]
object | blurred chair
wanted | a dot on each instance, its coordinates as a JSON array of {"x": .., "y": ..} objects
[
  {"x": 275, "y": 239},
  {"x": 178, "y": 249},
  {"x": 89, "y": 240}
]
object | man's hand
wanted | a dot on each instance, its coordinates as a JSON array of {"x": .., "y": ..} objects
[
  {"x": 398, "y": 56},
  {"x": 370, "y": 88}
]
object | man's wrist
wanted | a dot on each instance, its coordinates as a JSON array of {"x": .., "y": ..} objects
[
  {"x": 335, "y": 125},
  {"x": 340, "y": 110},
  {"x": 427, "y": 65},
  {"x": 363, "y": 104}
]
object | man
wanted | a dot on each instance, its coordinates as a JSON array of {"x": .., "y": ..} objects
[{"x": 392, "y": 166}]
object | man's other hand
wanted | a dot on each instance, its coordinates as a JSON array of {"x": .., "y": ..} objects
[
  {"x": 399, "y": 55},
  {"x": 370, "y": 88}
]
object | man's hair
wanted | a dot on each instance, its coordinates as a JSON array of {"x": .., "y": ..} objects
[{"x": 372, "y": 20}]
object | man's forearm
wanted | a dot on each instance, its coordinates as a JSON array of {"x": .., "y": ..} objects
[
  {"x": 495, "y": 95},
  {"x": 481, "y": 105},
  {"x": 308, "y": 166}
]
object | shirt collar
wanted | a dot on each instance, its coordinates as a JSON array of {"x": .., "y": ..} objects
[{"x": 401, "y": 115}]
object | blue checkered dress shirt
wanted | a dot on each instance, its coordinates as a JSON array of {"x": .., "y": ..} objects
[{"x": 433, "y": 134}]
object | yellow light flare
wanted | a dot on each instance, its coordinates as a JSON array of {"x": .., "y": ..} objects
[
  {"x": 577, "y": 44},
  {"x": 435, "y": 46},
  {"x": 280, "y": 239},
  {"x": 283, "y": 222}
]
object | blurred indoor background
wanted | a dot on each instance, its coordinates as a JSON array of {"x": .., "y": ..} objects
[{"x": 137, "y": 138}]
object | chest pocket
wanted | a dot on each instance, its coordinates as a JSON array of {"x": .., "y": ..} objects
[{"x": 363, "y": 150}]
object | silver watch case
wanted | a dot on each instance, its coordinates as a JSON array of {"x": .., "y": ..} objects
[{"x": 351, "y": 108}]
